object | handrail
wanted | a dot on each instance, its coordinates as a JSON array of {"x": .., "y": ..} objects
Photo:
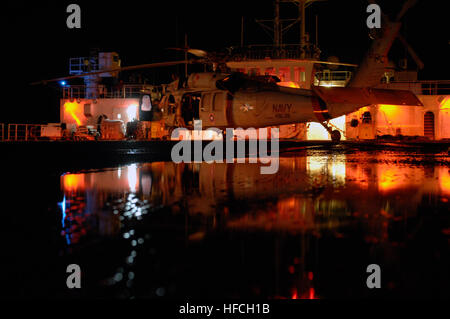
[
  {"x": 23, "y": 132},
  {"x": 425, "y": 87},
  {"x": 125, "y": 91},
  {"x": 286, "y": 51},
  {"x": 77, "y": 65},
  {"x": 333, "y": 76}
]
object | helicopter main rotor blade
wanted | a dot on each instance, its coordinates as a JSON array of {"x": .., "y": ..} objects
[
  {"x": 406, "y": 6},
  {"x": 197, "y": 52},
  {"x": 127, "y": 68},
  {"x": 335, "y": 63}
]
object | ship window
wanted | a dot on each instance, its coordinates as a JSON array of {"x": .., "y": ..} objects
[
  {"x": 254, "y": 71},
  {"x": 87, "y": 110},
  {"x": 270, "y": 71},
  {"x": 284, "y": 74},
  {"x": 367, "y": 118},
  {"x": 299, "y": 74},
  {"x": 206, "y": 102}
]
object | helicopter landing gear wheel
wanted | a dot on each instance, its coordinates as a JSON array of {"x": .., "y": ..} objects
[{"x": 335, "y": 136}]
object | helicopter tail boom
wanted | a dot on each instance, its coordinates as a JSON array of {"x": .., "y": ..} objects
[{"x": 343, "y": 100}]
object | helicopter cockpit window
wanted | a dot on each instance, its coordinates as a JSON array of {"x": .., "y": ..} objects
[
  {"x": 206, "y": 102},
  {"x": 219, "y": 101},
  {"x": 171, "y": 106},
  {"x": 190, "y": 104},
  {"x": 163, "y": 104}
]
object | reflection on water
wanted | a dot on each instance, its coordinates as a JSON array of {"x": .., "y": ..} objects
[{"x": 225, "y": 230}]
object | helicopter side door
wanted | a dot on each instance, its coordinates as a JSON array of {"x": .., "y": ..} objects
[
  {"x": 190, "y": 105},
  {"x": 213, "y": 109},
  {"x": 168, "y": 107}
]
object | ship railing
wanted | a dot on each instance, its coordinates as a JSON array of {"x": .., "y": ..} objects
[
  {"x": 82, "y": 65},
  {"x": 333, "y": 75},
  {"x": 81, "y": 92},
  {"x": 284, "y": 51},
  {"x": 426, "y": 87},
  {"x": 332, "y": 78},
  {"x": 23, "y": 132},
  {"x": 73, "y": 92}
]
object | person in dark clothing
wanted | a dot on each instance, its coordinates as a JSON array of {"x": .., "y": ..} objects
[{"x": 99, "y": 122}]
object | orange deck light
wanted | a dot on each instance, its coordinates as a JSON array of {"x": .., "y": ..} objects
[
  {"x": 445, "y": 104},
  {"x": 71, "y": 108},
  {"x": 73, "y": 182}
]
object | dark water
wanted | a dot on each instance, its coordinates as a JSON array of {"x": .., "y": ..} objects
[{"x": 165, "y": 230}]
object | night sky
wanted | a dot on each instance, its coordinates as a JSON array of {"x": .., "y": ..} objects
[{"x": 37, "y": 43}]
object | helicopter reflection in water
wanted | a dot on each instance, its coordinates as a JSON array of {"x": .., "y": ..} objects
[{"x": 226, "y": 230}]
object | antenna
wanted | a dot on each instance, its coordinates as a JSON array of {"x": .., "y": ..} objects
[
  {"x": 185, "y": 55},
  {"x": 242, "y": 31},
  {"x": 278, "y": 29},
  {"x": 301, "y": 8},
  {"x": 317, "y": 31}
]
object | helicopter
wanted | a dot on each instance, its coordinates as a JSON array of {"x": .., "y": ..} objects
[
  {"x": 237, "y": 100},
  {"x": 223, "y": 99}
]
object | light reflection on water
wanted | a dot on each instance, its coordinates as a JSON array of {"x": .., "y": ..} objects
[{"x": 225, "y": 230}]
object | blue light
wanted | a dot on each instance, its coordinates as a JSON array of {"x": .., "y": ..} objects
[
  {"x": 63, "y": 210},
  {"x": 63, "y": 83},
  {"x": 62, "y": 204}
]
